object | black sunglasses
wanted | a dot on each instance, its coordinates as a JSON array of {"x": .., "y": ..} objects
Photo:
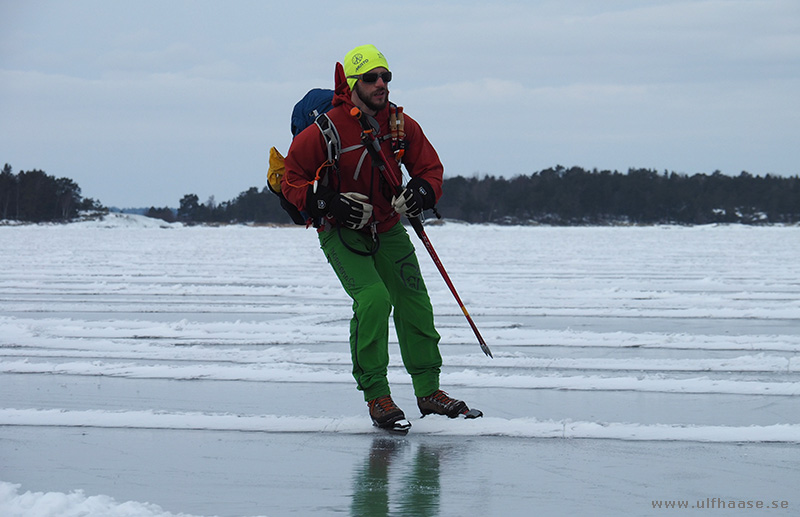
[{"x": 372, "y": 77}]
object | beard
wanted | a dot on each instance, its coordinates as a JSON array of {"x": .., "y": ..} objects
[{"x": 369, "y": 102}]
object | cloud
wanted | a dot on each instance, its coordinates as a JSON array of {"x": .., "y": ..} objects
[{"x": 177, "y": 92}]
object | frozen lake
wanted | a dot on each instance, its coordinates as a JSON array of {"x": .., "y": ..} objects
[{"x": 205, "y": 371}]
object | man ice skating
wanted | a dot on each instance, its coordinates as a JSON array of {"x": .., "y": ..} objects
[{"x": 358, "y": 217}]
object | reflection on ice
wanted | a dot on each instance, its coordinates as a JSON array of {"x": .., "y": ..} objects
[{"x": 397, "y": 478}]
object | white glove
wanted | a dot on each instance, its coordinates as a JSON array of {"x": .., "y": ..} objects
[
  {"x": 352, "y": 210},
  {"x": 409, "y": 203}
]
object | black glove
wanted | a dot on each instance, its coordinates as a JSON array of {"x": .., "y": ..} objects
[
  {"x": 416, "y": 197},
  {"x": 351, "y": 209}
]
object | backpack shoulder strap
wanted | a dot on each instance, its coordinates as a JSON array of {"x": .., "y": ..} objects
[{"x": 331, "y": 137}]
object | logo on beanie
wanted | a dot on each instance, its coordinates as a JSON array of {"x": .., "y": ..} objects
[{"x": 359, "y": 61}]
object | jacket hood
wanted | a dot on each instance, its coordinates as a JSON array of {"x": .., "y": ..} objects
[{"x": 342, "y": 91}]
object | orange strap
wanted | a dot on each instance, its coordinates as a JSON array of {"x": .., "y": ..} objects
[
  {"x": 317, "y": 177},
  {"x": 398, "y": 132}
]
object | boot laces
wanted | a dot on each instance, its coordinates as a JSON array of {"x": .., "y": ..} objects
[
  {"x": 384, "y": 404},
  {"x": 441, "y": 397}
]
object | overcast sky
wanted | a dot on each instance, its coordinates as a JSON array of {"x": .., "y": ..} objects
[{"x": 141, "y": 102}]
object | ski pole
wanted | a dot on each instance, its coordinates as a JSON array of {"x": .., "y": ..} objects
[{"x": 376, "y": 153}]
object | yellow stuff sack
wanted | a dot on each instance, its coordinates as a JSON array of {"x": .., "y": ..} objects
[{"x": 275, "y": 171}]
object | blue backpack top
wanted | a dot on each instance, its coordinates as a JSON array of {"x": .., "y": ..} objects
[{"x": 314, "y": 103}]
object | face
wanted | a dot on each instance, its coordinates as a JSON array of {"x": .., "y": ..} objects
[{"x": 372, "y": 96}]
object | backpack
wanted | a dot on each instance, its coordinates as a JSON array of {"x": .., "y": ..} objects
[
  {"x": 313, "y": 104},
  {"x": 309, "y": 110}
]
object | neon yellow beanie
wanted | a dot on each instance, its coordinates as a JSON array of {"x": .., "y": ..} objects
[{"x": 361, "y": 60}]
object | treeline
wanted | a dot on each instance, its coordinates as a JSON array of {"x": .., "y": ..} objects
[
  {"x": 34, "y": 196},
  {"x": 561, "y": 196},
  {"x": 641, "y": 196},
  {"x": 557, "y": 196},
  {"x": 251, "y": 206}
]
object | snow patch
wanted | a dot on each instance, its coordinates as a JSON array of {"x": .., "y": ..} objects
[
  {"x": 434, "y": 425},
  {"x": 122, "y": 220},
  {"x": 14, "y": 503}
]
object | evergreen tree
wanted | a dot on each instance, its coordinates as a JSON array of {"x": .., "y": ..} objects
[{"x": 37, "y": 197}]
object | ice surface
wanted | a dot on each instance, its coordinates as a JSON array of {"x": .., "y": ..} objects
[{"x": 155, "y": 369}]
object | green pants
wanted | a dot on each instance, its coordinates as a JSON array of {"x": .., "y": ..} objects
[{"x": 390, "y": 278}]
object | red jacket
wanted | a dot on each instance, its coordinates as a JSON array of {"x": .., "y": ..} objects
[{"x": 308, "y": 152}]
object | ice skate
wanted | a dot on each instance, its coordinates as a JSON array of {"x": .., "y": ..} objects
[
  {"x": 439, "y": 403},
  {"x": 386, "y": 415}
]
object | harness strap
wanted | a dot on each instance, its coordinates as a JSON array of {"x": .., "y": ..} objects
[
  {"x": 360, "y": 163},
  {"x": 397, "y": 131}
]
